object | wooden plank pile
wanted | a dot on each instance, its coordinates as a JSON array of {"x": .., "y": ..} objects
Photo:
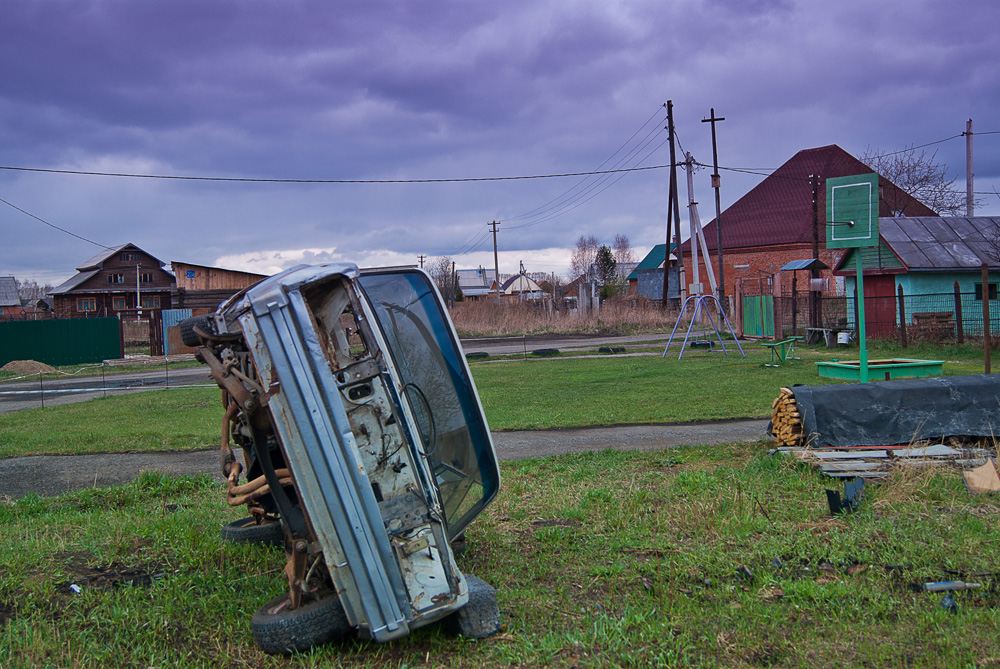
[
  {"x": 878, "y": 462},
  {"x": 786, "y": 421}
]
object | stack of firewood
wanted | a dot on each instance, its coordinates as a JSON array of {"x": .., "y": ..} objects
[{"x": 786, "y": 421}]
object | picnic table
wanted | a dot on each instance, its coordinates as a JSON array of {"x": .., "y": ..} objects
[{"x": 781, "y": 351}]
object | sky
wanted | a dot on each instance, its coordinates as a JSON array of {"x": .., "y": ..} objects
[{"x": 374, "y": 132}]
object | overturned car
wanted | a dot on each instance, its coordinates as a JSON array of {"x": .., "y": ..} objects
[{"x": 365, "y": 447}]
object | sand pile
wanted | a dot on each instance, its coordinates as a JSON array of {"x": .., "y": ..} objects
[{"x": 28, "y": 367}]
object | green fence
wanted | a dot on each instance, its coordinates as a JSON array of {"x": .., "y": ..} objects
[
  {"x": 60, "y": 342},
  {"x": 758, "y": 315}
]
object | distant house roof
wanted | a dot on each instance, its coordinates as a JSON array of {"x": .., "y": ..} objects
[
  {"x": 653, "y": 259},
  {"x": 937, "y": 243},
  {"x": 519, "y": 283},
  {"x": 8, "y": 292},
  {"x": 475, "y": 282},
  {"x": 779, "y": 209},
  {"x": 99, "y": 259}
]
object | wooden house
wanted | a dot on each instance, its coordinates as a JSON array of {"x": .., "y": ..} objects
[
  {"x": 202, "y": 288},
  {"x": 121, "y": 279}
]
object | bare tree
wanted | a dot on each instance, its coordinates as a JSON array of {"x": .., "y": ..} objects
[
  {"x": 583, "y": 255},
  {"x": 622, "y": 250},
  {"x": 918, "y": 175},
  {"x": 440, "y": 271},
  {"x": 29, "y": 292}
]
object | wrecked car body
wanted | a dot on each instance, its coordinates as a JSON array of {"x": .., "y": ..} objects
[{"x": 363, "y": 434}]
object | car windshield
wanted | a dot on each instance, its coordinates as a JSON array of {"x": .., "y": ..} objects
[{"x": 439, "y": 390}]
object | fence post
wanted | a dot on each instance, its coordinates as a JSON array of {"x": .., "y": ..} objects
[
  {"x": 959, "y": 326},
  {"x": 41, "y": 389},
  {"x": 795, "y": 310},
  {"x": 902, "y": 317},
  {"x": 985, "y": 295}
]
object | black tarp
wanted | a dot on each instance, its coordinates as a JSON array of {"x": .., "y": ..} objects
[{"x": 900, "y": 412}]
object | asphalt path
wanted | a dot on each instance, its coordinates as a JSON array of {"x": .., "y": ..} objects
[
  {"x": 32, "y": 392},
  {"x": 58, "y": 474}
]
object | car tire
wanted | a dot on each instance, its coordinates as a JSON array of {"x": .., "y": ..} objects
[
  {"x": 279, "y": 630},
  {"x": 479, "y": 618},
  {"x": 188, "y": 336},
  {"x": 248, "y": 531}
]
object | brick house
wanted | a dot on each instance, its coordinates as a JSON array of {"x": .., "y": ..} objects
[
  {"x": 774, "y": 224},
  {"x": 122, "y": 279}
]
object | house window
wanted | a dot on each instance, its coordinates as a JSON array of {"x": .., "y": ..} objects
[
  {"x": 116, "y": 278},
  {"x": 118, "y": 303},
  {"x": 86, "y": 304},
  {"x": 992, "y": 291},
  {"x": 146, "y": 277},
  {"x": 151, "y": 302},
  {"x": 129, "y": 257}
]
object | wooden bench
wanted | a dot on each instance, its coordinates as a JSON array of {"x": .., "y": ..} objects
[{"x": 783, "y": 350}]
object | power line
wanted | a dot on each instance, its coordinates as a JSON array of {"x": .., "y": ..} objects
[
  {"x": 51, "y": 225},
  {"x": 328, "y": 181}
]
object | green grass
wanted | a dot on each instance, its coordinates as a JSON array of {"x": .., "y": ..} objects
[
  {"x": 158, "y": 420},
  {"x": 517, "y": 394},
  {"x": 600, "y": 559}
]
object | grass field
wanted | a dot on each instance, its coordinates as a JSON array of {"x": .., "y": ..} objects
[
  {"x": 688, "y": 557},
  {"x": 516, "y": 394}
]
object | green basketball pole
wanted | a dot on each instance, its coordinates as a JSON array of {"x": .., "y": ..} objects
[{"x": 861, "y": 318}]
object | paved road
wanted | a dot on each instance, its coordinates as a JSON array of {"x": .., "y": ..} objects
[
  {"x": 31, "y": 392},
  {"x": 57, "y": 474}
]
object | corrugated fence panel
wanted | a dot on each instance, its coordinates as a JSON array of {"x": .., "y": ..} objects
[
  {"x": 171, "y": 321},
  {"x": 67, "y": 341}
]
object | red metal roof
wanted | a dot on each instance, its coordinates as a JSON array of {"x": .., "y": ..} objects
[{"x": 779, "y": 209}]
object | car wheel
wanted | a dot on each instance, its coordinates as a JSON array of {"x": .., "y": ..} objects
[
  {"x": 248, "y": 531},
  {"x": 188, "y": 336},
  {"x": 277, "y": 629},
  {"x": 479, "y": 618}
]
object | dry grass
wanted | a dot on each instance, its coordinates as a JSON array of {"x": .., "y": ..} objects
[{"x": 617, "y": 316}]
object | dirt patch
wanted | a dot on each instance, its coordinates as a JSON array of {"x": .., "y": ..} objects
[
  {"x": 110, "y": 577},
  {"x": 28, "y": 367}
]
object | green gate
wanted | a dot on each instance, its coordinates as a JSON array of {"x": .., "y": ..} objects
[
  {"x": 68, "y": 341},
  {"x": 756, "y": 324}
]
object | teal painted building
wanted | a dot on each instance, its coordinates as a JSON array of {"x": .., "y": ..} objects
[{"x": 926, "y": 256}]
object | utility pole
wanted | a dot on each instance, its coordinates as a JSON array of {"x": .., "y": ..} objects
[
  {"x": 421, "y": 258},
  {"x": 697, "y": 233},
  {"x": 673, "y": 212},
  {"x": 454, "y": 277},
  {"x": 716, "y": 183},
  {"x": 970, "y": 201},
  {"x": 496, "y": 260}
]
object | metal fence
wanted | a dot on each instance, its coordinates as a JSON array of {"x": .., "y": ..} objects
[
  {"x": 906, "y": 318},
  {"x": 40, "y": 390},
  {"x": 60, "y": 342}
]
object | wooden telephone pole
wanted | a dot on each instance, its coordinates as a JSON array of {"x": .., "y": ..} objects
[
  {"x": 496, "y": 261},
  {"x": 716, "y": 183}
]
